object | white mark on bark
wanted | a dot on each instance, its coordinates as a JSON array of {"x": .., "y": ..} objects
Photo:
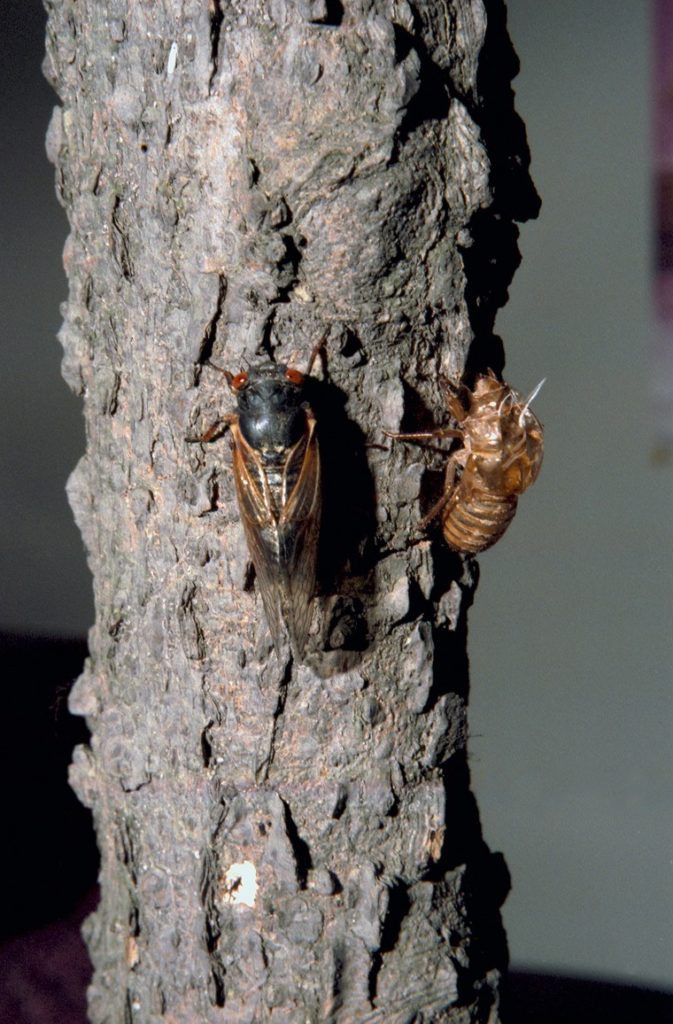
[
  {"x": 241, "y": 884},
  {"x": 172, "y": 59}
]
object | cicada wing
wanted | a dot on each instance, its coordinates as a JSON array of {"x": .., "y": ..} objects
[
  {"x": 299, "y": 531},
  {"x": 261, "y": 529}
]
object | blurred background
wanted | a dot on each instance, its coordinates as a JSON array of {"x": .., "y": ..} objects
[{"x": 571, "y": 633}]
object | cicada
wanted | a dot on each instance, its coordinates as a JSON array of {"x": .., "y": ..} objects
[
  {"x": 499, "y": 458},
  {"x": 276, "y": 465}
]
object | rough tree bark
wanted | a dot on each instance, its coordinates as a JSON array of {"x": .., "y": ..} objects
[{"x": 278, "y": 841}]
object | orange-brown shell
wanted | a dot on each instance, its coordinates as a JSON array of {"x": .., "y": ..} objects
[{"x": 500, "y": 458}]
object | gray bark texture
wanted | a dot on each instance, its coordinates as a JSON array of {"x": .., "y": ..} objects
[{"x": 280, "y": 841}]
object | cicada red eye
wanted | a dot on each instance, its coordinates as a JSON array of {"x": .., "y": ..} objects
[
  {"x": 239, "y": 381},
  {"x": 294, "y": 376}
]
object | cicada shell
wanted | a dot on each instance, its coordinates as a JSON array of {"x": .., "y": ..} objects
[{"x": 498, "y": 459}]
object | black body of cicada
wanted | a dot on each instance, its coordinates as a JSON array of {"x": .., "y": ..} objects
[{"x": 276, "y": 464}]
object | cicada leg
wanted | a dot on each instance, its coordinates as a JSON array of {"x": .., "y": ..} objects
[
  {"x": 319, "y": 349},
  {"x": 453, "y": 402},
  {"x": 449, "y": 482},
  {"x": 218, "y": 429},
  {"x": 226, "y": 373},
  {"x": 423, "y": 436}
]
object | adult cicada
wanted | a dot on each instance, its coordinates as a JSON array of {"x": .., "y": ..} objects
[{"x": 276, "y": 464}]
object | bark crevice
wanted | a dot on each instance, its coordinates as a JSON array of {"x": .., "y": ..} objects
[
  {"x": 210, "y": 333},
  {"x": 216, "y": 14}
]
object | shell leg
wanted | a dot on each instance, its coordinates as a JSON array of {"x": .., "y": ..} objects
[
  {"x": 454, "y": 404},
  {"x": 424, "y": 436},
  {"x": 449, "y": 484}
]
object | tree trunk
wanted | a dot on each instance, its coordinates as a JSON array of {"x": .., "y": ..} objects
[{"x": 280, "y": 841}]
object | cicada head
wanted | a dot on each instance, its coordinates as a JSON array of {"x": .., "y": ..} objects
[
  {"x": 490, "y": 406},
  {"x": 271, "y": 405},
  {"x": 488, "y": 392}
]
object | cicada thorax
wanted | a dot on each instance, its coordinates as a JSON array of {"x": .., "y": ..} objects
[
  {"x": 500, "y": 457},
  {"x": 278, "y": 439}
]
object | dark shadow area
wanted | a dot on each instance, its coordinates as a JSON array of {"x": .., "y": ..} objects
[
  {"x": 431, "y": 101},
  {"x": 503, "y": 131},
  {"x": 417, "y": 416},
  {"x": 399, "y": 905},
  {"x": 451, "y": 670},
  {"x": 493, "y": 256},
  {"x": 50, "y": 856},
  {"x": 44, "y": 974},
  {"x": 534, "y": 998},
  {"x": 346, "y": 553},
  {"x": 330, "y": 13},
  {"x": 486, "y": 881}
]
